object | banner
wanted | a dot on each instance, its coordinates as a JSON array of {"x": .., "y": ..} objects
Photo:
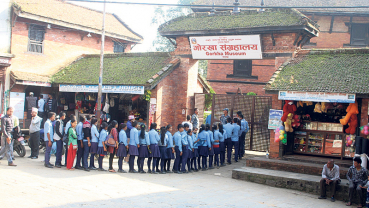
[
  {"x": 275, "y": 118},
  {"x": 32, "y": 83},
  {"x": 317, "y": 96},
  {"x": 17, "y": 101},
  {"x": 226, "y": 47},
  {"x": 105, "y": 89}
]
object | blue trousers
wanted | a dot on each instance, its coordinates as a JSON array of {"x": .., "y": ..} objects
[
  {"x": 229, "y": 150},
  {"x": 241, "y": 148},
  {"x": 131, "y": 162},
  {"x": 86, "y": 152},
  {"x": 176, "y": 161},
  {"x": 47, "y": 153},
  {"x": 7, "y": 149},
  {"x": 79, "y": 154},
  {"x": 184, "y": 158},
  {"x": 59, "y": 150}
]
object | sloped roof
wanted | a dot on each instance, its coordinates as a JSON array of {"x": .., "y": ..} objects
[
  {"x": 222, "y": 21},
  {"x": 29, "y": 76},
  {"x": 338, "y": 70},
  {"x": 146, "y": 69},
  {"x": 292, "y": 3},
  {"x": 63, "y": 13}
]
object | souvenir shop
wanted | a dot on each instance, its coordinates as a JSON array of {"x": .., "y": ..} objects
[
  {"x": 118, "y": 102},
  {"x": 324, "y": 124}
]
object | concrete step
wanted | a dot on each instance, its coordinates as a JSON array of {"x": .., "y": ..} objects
[
  {"x": 290, "y": 166},
  {"x": 346, "y": 163},
  {"x": 296, "y": 181}
]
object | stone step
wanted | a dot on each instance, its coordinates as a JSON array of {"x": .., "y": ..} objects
[
  {"x": 346, "y": 163},
  {"x": 290, "y": 166},
  {"x": 296, "y": 181}
]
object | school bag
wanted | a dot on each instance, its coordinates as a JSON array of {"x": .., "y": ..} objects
[{"x": 110, "y": 141}]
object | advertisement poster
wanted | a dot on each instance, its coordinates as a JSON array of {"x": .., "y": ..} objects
[
  {"x": 17, "y": 101},
  {"x": 226, "y": 47},
  {"x": 275, "y": 118}
]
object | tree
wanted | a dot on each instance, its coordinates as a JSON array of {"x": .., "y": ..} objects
[{"x": 161, "y": 16}]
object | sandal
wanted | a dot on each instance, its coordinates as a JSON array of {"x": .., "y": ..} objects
[
  {"x": 349, "y": 204},
  {"x": 112, "y": 171}
]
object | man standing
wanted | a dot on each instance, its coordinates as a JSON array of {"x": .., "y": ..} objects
[
  {"x": 50, "y": 105},
  {"x": 195, "y": 119},
  {"x": 188, "y": 121},
  {"x": 86, "y": 142},
  {"x": 41, "y": 106},
  {"x": 80, "y": 136},
  {"x": 58, "y": 138},
  {"x": 208, "y": 119},
  {"x": 330, "y": 177},
  {"x": 7, "y": 135},
  {"x": 229, "y": 130},
  {"x": 224, "y": 118},
  {"x": 244, "y": 130},
  {"x": 48, "y": 138},
  {"x": 31, "y": 103},
  {"x": 357, "y": 177},
  {"x": 34, "y": 133}
]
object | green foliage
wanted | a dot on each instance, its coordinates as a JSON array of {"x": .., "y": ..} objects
[
  {"x": 147, "y": 95},
  {"x": 251, "y": 93},
  {"x": 203, "y": 67},
  {"x": 209, "y": 99}
]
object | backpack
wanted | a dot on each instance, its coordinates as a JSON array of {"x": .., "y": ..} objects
[{"x": 66, "y": 137}]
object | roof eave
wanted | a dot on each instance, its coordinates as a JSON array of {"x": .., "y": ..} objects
[{"x": 170, "y": 68}]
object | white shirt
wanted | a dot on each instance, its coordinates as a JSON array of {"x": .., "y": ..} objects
[
  {"x": 41, "y": 103},
  {"x": 187, "y": 122}
]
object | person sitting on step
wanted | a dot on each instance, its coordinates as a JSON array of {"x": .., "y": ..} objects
[{"x": 330, "y": 177}]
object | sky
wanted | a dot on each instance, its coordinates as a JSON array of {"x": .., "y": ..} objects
[{"x": 137, "y": 17}]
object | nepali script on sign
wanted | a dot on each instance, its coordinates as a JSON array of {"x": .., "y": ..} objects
[{"x": 226, "y": 47}]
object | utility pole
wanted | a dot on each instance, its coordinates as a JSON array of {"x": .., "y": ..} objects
[{"x": 99, "y": 93}]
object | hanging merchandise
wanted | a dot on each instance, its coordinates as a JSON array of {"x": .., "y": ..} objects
[
  {"x": 112, "y": 102},
  {"x": 62, "y": 101},
  {"x": 79, "y": 97},
  {"x": 135, "y": 98},
  {"x": 106, "y": 108},
  {"x": 351, "y": 118},
  {"x": 92, "y": 97}
]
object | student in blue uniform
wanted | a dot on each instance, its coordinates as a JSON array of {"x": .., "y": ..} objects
[
  {"x": 101, "y": 148},
  {"x": 155, "y": 152},
  {"x": 186, "y": 128},
  {"x": 244, "y": 130},
  {"x": 94, "y": 143},
  {"x": 79, "y": 142},
  {"x": 170, "y": 149},
  {"x": 211, "y": 141},
  {"x": 196, "y": 158},
  {"x": 133, "y": 147},
  {"x": 203, "y": 145},
  {"x": 229, "y": 130},
  {"x": 178, "y": 148},
  {"x": 190, "y": 150},
  {"x": 144, "y": 148},
  {"x": 184, "y": 142},
  {"x": 234, "y": 139},
  {"x": 221, "y": 137},
  {"x": 218, "y": 136},
  {"x": 163, "y": 143},
  {"x": 86, "y": 128},
  {"x": 123, "y": 147}
]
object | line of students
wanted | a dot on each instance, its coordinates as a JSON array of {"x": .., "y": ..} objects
[{"x": 186, "y": 147}]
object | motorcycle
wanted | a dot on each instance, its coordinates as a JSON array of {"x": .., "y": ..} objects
[{"x": 18, "y": 145}]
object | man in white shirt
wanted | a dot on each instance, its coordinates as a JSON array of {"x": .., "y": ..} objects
[
  {"x": 41, "y": 105},
  {"x": 330, "y": 177},
  {"x": 34, "y": 132}
]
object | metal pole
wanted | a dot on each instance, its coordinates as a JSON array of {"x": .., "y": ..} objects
[{"x": 99, "y": 94}]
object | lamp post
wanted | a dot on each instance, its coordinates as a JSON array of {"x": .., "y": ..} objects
[{"x": 99, "y": 93}]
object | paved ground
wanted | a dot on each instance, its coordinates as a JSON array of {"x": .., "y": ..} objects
[{"x": 32, "y": 185}]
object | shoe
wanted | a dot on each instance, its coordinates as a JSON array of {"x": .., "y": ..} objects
[
  {"x": 190, "y": 171},
  {"x": 322, "y": 197},
  {"x": 179, "y": 172},
  {"x": 332, "y": 199},
  {"x": 1, "y": 158},
  {"x": 58, "y": 166},
  {"x": 29, "y": 157},
  {"x": 222, "y": 165},
  {"x": 14, "y": 159},
  {"x": 101, "y": 169},
  {"x": 133, "y": 171},
  {"x": 203, "y": 169},
  {"x": 218, "y": 167},
  {"x": 157, "y": 170},
  {"x": 86, "y": 169},
  {"x": 48, "y": 166},
  {"x": 143, "y": 172},
  {"x": 229, "y": 163},
  {"x": 154, "y": 172},
  {"x": 51, "y": 164},
  {"x": 211, "y": 167},
  {"x": 122, "y": 171},
  {"x": 162, "y": 172},
  {"x": 149, "y": 171},
  {"x": 168, "y": 171},
  {"x": 196, "y": 170},
  {"x": 34, "y": 157},
  {"x": 236, "y": 160},
  {"x": 174, "y": 171},
  {"x": 185, "y": 172},
  {"x": 78, "y": 168},
  {"x": 92, "y": 168},
  {"x": 12, "y": 164}
]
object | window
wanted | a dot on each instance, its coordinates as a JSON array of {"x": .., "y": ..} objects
[
  {"x": 242, "y": 68},
  {"x": 119, "y": 47},
  {"x": 359, "y": 34},
  {"x": 36, "y": 35}
]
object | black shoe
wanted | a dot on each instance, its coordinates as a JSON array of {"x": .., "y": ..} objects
[
  {"x": 162, "y": 172},
  {"x": 168, "y": 171},
  {"x": 222, "y": 165},
  {"x": 78, "y": 168},
  {"x": 192, "y": 169},
  {"x": 179, "y": 172},
  {"x": 133, "y": 171},
  {"x": 122, "y": 171},
  {"x": 101, "y": 169},
  {"x": 196, "y": 170},
  {"x": 157, "y": 170},
  {"x": 51, "y": 164},
  {"x": 1, "y": 158},
  {"x": 92, "y": 168},
  {"x": 30, "y": 156},
  {"x": 322, "y": 197},
  {"x": 332, "y": 199},
  {"x": 185, "y": 172},
  {"x": 229, "y": 163},
  {"x": 154, "y": 172},
  {"x": 143, "y": 172},
  {"x": 236, "y": 160},
  {"x": 86, "y": 169},
  {"x": 211, "y": 167},
  {"x": 149, "y": 171},
  {"x": 203, "y": 169},
  {"x": 58, "y": 166},
  {"x": 34, "y": 157},
  {"x": 48, "y": 166},
  {"x": 14, "y": 159}
]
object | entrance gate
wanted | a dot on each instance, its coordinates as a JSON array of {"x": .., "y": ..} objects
[{"x": 255, "y": 110}]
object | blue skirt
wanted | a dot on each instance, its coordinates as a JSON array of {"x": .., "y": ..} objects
[
  {"x": 190, "y": 154},
  {"x": 155, "y": 152},
  {"x": 203, "y": 151},
  {"x": 93, "y": 148},
  {"x": 216, "y": 150},
  {"x": 133, "y": 150},
  {"x": 221, "y": 147},
  {"x": 196, "y": 153},
  {"x": 143, "y": 151},
  {"x": 100, "y": 151},
  {"x": 163, "y": 152},
  {"x": 122, "y": 151},
  {"x": 211, "y": 152},
  {"x": 170, "y": 154}
]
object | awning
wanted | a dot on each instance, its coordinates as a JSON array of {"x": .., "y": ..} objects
[
  {"x": 317, "y": 96},
  {"x": 126, "y": 89}
]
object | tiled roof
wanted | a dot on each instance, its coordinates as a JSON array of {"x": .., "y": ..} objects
[
  {"x": 62, "y": 12},
  {"x": 202, "y": 21},
  {"x": 124, "y": 68},
  {"x": 18, "y": 75},
  {"x": 338, "y": 70},
  {"x": 292, "y": 3}
]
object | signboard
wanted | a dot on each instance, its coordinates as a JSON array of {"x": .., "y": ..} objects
[
  {"x": 275, "y": 118},
  {"x": 105, "y": 89},
  {"x": 17, "y": 101},
  {"x": 226, "y": 47},
  {"x": 317, "y": 96},
  {"x": 41, "y": 84}
]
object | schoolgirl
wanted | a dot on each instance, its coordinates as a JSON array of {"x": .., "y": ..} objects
[
  {"x": 112, "y": 149},
  {"x": 101, "y": 148},
  {"x": 234, "y": 140},
  {"x": 170, "y": 149},
  {"x": 178, "y": 148},
  {"x": 122, "y": 147},
  {"x": 94, "y": 143},
  {"x": 133, "y": 147},
  {"x": 144, "y": 147},
  {"x": 190, "y": 150},
  {"x": 184, "y": 142},
  {"x": 216, "y": 146},
  {"x": 155, "y": 152},
  {"x": 204, "y": 146},
  {"x": 163, "y": 143},
  {"x": 195, "y": 159},
  {"x": 222, "y": 137},
  {"x": 72, "y": 144},
  {"x": 211, "y": 141}
]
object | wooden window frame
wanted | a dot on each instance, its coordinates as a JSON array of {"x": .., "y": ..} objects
[
  {"x": 32, "y": 45},
  {"x": 123, "y": 45},
  {"x": 237, "y": 73},
  {"x": 353, "y": 25}
]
